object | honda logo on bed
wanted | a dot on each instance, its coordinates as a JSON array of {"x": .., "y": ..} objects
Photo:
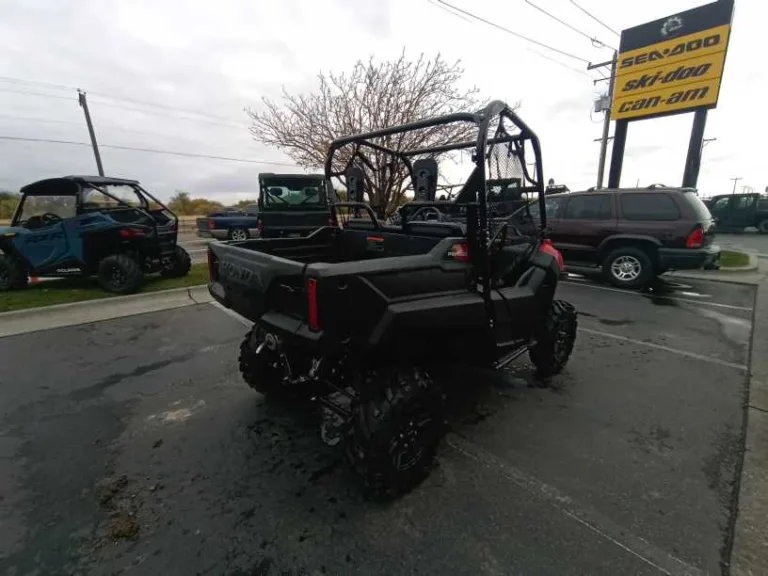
[{"x": 235, "y": 272}]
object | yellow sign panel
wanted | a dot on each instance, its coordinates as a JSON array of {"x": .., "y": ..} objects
[
  {"x": 694, "y": 70},
  {"x": 668, "y": 99},
  {"x": 704, "y": 43},
  {"x": 672, "y": 64}
]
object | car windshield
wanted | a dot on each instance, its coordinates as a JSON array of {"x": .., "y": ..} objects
[
  {"x": 34, "y": 207},
  {"x": 292, "y": 193}
]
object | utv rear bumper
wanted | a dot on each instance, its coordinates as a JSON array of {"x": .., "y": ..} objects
[{"x": 690, "y": 258}]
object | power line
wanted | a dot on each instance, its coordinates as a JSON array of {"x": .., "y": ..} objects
[
  {"x": 446, "y": 9},
  {"x": 603, "y": 24},
  {"x": 508, "y": 31},
  {"x": 36, "y": 83},
  {"x": 149, "y": 150},
  {"x": 102, "y": 126},
  {"x": 110, "y": 97},
  {"x": 592, "y": 39},
  {"x": 27, "y": 93},
  {"x": 561, "y": 63},
  {"x": 165, "y": 115}
]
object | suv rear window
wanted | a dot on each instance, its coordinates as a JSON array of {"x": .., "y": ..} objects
[
  {"x": 648, "y": 206},
  {"x": 699, "y": 208},
  {"x": 588, "y": 207}
]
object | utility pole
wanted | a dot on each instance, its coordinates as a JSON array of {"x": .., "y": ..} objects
[
  {"x": 606, "y": 117},
  {"x": 734, "y": 183},
  {"x": 84, "y": 104}
]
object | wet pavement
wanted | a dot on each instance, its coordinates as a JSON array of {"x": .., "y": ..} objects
[{"x": 132, "y": 446}]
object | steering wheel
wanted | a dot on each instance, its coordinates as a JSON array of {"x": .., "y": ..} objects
[
  {"x": 49, "y": 219},
  {"x": 425, "y": 209},
  {"x": 499, "y": 239}
]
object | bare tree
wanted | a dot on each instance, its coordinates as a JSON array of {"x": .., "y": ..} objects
[{"x": 373, "y": 95}]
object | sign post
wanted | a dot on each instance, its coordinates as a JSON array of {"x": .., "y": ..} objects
[{"x": 670, "y": 66}]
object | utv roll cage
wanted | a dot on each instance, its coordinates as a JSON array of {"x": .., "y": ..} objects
[
  {"x": 72, "y": 186},
  {"x": 502, "y": 147}
]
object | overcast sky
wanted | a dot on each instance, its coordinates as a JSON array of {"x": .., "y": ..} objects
[{"x": 219, "y": 57}]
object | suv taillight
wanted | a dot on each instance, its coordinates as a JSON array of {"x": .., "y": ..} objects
[
  {"x": 313, "y": 318},
  {"x": 211, "y": 224},
  {"x": 695, "y": 239},
  {"x": 259, "y": 225}
]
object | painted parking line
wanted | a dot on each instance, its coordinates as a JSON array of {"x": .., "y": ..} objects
[
  {"x": 589, "y": 518},
  {"x": 677, "y": 351},
  {"x": 585, "y": 284}
]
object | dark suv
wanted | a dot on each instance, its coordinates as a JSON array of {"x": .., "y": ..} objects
[{"x": 632, "y": 235}]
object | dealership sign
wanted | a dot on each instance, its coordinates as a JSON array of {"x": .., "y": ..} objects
[{"x": 672, "y": 65}]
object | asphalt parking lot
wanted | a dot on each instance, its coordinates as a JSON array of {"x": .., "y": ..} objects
[{"x": 133, "y": 445}]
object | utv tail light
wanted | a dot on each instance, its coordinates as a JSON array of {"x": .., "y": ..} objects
[
  {"x": 695, "y": 239},
  {"x": 312, "y": 313},
  {"x": 459, "y": 252},
  {"x": 213, "y": 266},
  {"x": 259, "y": 225},
  {"x": 211, "y": 224},
  {"x": 548, "y": 248},
  {"x": 130, "y": 233}
]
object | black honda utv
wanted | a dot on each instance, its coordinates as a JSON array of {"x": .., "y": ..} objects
[{"x": 361, "y": 317}]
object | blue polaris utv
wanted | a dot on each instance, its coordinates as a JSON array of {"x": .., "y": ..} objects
[{"x": 90, "y": 225}]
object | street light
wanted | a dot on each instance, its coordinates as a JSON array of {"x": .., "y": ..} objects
[{"x": 704, "y": 142}]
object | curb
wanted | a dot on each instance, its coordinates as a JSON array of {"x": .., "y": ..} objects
[
  {"x": 729, "y": 275},
  {"x": 749, "y": 554},
  {"x": 76, "y": 313}
]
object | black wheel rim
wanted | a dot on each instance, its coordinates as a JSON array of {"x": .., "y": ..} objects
[
  {"x": 117, "y": 277},
  {"x": 412, "y": 441},
  {"x": 562, "y": 342}
]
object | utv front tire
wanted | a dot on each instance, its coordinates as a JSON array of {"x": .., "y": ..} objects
[
  {"x": 178, "y": 266},
  {"x": 553, "y": 347},
  {"x": 120, "y": 274},
  {"x": 12, "y": 273},
  {"x": 397, "y": 425}
]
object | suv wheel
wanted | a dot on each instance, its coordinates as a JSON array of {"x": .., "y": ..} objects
[
  {"x": 178, "y": 266},
  {"x": 12, "y": 273},
  {"x": 238, "y": 234},
  {"x": 397, "y": 425},
  {"x": 762, "y": 226},
  {"x": 120, "y": 274},
  {"x": 628, "y": 267}
]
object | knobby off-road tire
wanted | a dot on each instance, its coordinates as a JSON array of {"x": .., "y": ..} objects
[
  {"x": 12, "y": 273},
  {"x": 263, "y": 372},
  {"x": 554, "y": 346},
  {"x": 397, "y": 425},
  {"x": 179, "y": 265},
  {"x": 120, "y": 274},
  {"x": 762, "y": 226}
]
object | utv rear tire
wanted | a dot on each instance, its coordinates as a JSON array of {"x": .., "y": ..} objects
[
  {"x": 263, "y": 372},
  {"x": 120, "y": 274},
  {"x": 628, "y": 267},
  {"x": 179, "y": 265},
  {"x": 554, "y": 345},
  {"x": 397, "y": 425},
  {"x": 762, "y": 226},
  {"x": 12, "y": 273}
]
